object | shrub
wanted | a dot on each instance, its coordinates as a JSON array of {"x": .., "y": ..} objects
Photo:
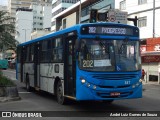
[{"x": 4, "y": 81}]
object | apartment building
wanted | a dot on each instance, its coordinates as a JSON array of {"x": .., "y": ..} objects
[
  {"x": 24, "y": 24},
  {"x": 14, "y": 4},
  {"x": 147, "y": 12},
  {"x": 36, "y": 18},
  {"x": 41, "y": 15}
]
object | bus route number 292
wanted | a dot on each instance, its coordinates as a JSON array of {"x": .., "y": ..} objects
[{"x": 87, "y": 63}]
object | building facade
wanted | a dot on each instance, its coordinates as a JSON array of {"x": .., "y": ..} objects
[
  {"x": 41, "y": 15},
  {"x": 14, "y": 4},
  {"x": 147, "y": 12},
  {"x": 24, "y": 24},
  {"x": 36, "y": 18},
  {"x": 80, "y": 12},
  {"x": 57, "y": 7}
]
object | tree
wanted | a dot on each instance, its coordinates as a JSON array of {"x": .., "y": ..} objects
[{"x": 7, "y": 28}]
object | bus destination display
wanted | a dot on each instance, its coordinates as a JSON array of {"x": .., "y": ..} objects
[{"x": 108, "y": 30}]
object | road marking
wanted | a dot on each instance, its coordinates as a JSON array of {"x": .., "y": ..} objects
[{"x": 23, "y": 92}]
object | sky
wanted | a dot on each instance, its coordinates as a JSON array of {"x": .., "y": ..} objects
[{"x": 3, "y": 2}]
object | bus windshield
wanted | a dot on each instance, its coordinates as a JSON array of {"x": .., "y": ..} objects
[{"x": 109, "y": 55}]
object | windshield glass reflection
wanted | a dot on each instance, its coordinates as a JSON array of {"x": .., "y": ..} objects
[{"x": 109, "y": 55}]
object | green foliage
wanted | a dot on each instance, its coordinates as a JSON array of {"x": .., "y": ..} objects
[
  {"x": 4, "y": 81},
  {"x": 7, "y": 29}
]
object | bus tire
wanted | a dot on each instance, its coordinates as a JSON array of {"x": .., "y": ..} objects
[
  {"x": 28, "y": 88},
  {"x": 59, "y": 94}
]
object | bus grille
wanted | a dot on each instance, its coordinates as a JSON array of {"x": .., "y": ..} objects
[
  {"x": 114, "y": 76},
  {"x": 124, "y": 86},
  {"x": 107, "y": 95}
]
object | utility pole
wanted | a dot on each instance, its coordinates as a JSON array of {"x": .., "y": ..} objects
[
  {"x": 80, "y": 12},
  {"x": 153, "y": 18}
]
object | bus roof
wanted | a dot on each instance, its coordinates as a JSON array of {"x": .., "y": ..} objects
[{"x": 70, "y": 29}]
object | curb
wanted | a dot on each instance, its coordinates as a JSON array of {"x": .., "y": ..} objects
[
  {"x": 9, "y": 93},
  {"x": 5, "y": 99}
]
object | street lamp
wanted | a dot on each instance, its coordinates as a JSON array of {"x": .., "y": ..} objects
[{"x": 25, "y": 33}]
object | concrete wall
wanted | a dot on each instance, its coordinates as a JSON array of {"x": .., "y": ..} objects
[
  {"x": 152, "y": 71},
  {"x": 70, "y": 20}
]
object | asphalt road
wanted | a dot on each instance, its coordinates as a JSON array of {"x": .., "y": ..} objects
[{"x": 35, "y": 101}]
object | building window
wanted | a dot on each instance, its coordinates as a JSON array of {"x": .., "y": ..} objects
[
  {"x": 123, "y": 5},
  {"x": 140, "y": 2},
  {"x": 85, "y": 12},
  {"x": 142, "y": 22}
]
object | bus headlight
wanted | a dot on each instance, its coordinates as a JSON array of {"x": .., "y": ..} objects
[
  {"x": 137, "y": 84},
  {"x": 83, "y": 80}
]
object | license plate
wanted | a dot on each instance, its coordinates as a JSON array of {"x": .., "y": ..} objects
[{"x": 114, "y": 94}]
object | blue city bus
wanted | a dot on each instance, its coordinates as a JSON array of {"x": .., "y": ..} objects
[{"x": 91, "y": 61}]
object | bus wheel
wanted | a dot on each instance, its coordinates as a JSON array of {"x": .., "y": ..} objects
[
  {"x": 28, "y": 84},
  {"x": 60, "y": 97}
]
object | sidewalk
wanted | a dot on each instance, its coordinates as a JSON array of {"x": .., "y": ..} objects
[
  {"x": 150, "y": 82},
  {"x": 9, "y": 69}
]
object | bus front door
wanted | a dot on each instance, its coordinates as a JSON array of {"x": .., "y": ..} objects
[{"x": 70, "y": 70}]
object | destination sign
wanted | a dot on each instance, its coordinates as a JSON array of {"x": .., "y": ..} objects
[
  {"x": 109, "y": 30},
  {"x": 105, "y": 30}
]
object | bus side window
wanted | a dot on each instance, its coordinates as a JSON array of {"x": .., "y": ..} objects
[
  {"x": 57, "y": 50},
  {"x": 49, "y": 51},
  {"x": 27, "y": 54},
  {"x": 44, "y": 51}
]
